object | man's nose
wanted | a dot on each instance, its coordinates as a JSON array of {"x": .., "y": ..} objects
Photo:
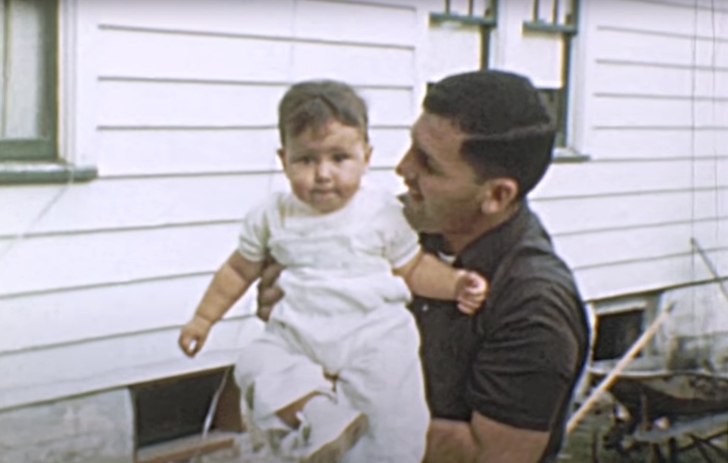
[{"x": 401, "y": 168}]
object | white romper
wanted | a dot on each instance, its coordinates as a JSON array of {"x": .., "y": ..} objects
[{"x": 343, "y": 313}]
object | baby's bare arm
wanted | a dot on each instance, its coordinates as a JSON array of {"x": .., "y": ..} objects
[
  {"x": 229, "y": 284},
  {"x": 427, "y": 276}
]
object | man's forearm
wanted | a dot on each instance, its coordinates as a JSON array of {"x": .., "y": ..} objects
[{"x": 450, "y": 441}]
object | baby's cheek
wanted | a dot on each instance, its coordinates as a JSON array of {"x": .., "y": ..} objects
[{"x": 300, "y": 189}]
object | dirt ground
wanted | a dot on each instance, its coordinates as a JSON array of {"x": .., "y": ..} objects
[{"x": 584, "y": 445}]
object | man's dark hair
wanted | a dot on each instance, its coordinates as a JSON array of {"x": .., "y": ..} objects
[
  {"x": 314, "y": 103},
  {"x": 509, "y": 132}
]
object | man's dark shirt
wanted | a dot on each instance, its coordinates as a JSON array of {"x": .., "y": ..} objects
[{"x": 517, "y": 361}]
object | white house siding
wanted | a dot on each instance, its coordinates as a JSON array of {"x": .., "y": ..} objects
[
  {"x": 650, "y": 107},
  {"x": 176, "y": 105},
  {"x": 656, "y": 125}
]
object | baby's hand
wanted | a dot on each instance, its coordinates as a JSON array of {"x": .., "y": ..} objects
[
  {"x": 470, "y": 291},
  {"x": 193, "y": 335}
]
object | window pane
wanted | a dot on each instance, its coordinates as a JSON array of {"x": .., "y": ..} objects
[
  {"x": 24, "y": 67},
  {"x": 554, "y": 100}
]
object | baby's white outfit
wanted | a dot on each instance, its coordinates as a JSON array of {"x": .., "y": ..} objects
[{"x": 344, "y": 314}]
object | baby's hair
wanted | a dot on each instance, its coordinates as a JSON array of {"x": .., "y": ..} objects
[{"x": 315, "y": 103}]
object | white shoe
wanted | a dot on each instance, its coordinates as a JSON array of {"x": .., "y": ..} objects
[{"x": 330, "y": 429}]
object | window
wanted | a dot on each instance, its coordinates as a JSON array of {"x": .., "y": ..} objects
[
  {"x": 621, "y": 321},
  {"x": 533, "y": 39},
  {"x": 555, "y": 100},
  {"x": 557, "y": 17},
  {"x": 28, "y": 80},
  {"x": 170, "y": 415},
  {"x": 477, "y": 13}
]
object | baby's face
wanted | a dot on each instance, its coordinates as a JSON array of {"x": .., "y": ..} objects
[{"x": 325, "y": 166}]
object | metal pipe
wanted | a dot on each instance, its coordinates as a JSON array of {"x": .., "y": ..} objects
[
  {"x": 572, "y": 16},
  {"x": 212, "y": 409},
  {"x": 573, "y": 19},
  {"x": 711, "y": 268},
  {"x": 491, "y": 11}
]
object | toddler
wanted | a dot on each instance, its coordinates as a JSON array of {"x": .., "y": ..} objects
[{"x": 351, "y": 260}]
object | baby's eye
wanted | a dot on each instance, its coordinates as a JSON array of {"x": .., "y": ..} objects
[
  {"x": 305, "y": 160},
  {"x": 340, "y": 157}
]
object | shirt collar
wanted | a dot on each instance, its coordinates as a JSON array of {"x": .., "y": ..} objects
[{"x": 485, "y": 253}]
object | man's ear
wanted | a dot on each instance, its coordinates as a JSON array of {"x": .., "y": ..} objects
[
  {"x": 500, "y": 193},
  {"x": 282, "y": 156}
]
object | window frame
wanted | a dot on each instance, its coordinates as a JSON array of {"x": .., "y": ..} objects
[
  {"x": 42, "y": 149},
  {"x": 568, "y": 29},
  {"x": 485, "y": 22},
  {"x": 54, "y": 160},
  {"x": 563, "y": 152}
]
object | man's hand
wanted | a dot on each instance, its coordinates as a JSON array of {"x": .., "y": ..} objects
[
  {"x": 268, "y": 293},
  {"x": 193, "y": 335},
  {"x": 470, "y": 291}
]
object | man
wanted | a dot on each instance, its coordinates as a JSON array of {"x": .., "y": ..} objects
[{"x": 499, "y": 384}]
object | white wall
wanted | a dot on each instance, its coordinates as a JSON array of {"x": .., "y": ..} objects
[
  {"x": 655, "y": 121},
  {"x": 175, "y": 103}
]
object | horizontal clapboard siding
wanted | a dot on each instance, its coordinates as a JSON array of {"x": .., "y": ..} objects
[
  {"x": 76, "y": 368},
  {"x": 160, "y": 54},
  {"x": 389, "y": 23},
  {"x": 655, "y": 123},
  {"x": 151, "y": 104},
  {"x": 666, "y": 17},
  {"x": 108, "y": 310},
  {"x": 641, "y": 275},
  {"x": 207, "y": 149}
]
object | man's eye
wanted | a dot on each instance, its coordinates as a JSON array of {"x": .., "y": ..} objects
[{"x": 423, "y": 160}]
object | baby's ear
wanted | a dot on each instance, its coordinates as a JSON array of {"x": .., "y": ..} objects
[
  {"x": 282, "y": 156},
  {"x": 368, "y": 153}
]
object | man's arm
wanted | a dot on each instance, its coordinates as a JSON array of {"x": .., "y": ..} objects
[
  {"x": 482, "y": 441},
  {"x": 520, "y": 383},
  {"x": 268, "y": 293}
]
